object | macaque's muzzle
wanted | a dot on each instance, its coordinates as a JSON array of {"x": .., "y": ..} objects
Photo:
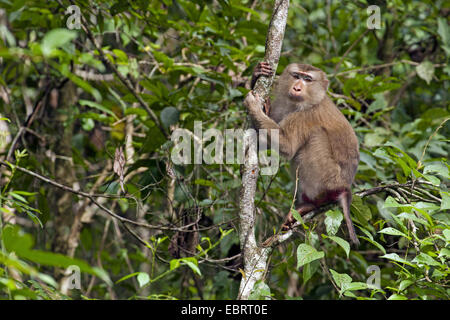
[{"x": 296, "y": 92}]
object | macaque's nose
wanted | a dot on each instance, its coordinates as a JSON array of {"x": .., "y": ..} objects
[{"x": 297, "y": 88}]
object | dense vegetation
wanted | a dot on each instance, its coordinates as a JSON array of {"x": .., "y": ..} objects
[{"x": 90, "y": 108}]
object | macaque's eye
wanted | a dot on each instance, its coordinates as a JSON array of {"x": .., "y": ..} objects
[{"x": 303, "y": 76}]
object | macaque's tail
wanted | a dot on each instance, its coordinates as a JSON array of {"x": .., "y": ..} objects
[{"x": 345, "y": 199}]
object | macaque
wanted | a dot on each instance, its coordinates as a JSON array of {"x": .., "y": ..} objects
[{"x": 313, "y": 134}]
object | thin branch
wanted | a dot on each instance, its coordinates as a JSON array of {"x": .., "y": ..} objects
[
  {"x": 380, "y": 66},
  {"x": 102, "y": 207},
  {"x": 279, "y": 238}
]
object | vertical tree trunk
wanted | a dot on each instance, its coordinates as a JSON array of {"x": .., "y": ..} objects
[{"x": 255, "y": 257}]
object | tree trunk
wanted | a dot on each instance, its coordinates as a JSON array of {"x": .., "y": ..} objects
[{"x": 255, "y": 257}]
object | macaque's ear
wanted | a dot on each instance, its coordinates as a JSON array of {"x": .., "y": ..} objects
[{"x": 325, "y": 84}]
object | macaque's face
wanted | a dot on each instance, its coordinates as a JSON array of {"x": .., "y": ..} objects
[{"x": 305, "y": 85}]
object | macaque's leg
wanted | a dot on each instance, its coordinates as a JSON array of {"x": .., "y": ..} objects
[
  {"x": 261, "y": 69},
  {"x": 302, "y": 209}
]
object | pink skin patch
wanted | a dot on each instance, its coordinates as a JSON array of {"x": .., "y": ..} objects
[{"x": 326, "y": 197}]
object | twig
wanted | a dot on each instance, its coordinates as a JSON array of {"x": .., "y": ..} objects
[{"x": 429, "y": 139}]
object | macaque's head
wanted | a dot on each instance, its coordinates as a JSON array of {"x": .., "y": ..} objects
[{"x": 303, "y": 84}]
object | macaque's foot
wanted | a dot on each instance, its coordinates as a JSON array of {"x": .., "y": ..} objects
[
  {"x": 288, "y": 222},
  {"x": 302, "y": 209},
  {"x": 268, "y": 242}
]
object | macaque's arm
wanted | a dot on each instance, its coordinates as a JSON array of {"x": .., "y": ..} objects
[{"x": 262, "y": 121}]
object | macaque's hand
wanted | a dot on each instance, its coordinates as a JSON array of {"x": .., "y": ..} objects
[
  {"x": 261, "y": 69},
  {"x": 253, "y": 102}
]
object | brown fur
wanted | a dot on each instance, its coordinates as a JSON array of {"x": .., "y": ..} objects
[{"x": 313, "y": 134}]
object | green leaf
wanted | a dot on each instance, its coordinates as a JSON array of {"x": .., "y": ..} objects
[
  {"x": 360, "y": 210},
  {"x": 143, "y": 278},
  {"x": 391, "y": 203},
  {"x": 353, "y": 286},
  {"x": 174, "y": 263},
  {"x": 394, "y": 232},
  {"x": 137, "y": 111},
  {"x": 405, "y": 284},
  {"x": 333, "y": 221},
  {"x": 25, "y": 193},
  {"x": 21, "y": 243},
  {"x": 433, "y": 179},
  {"x": 444, "y": 32},
  {"x": 154, "y": 140},
  {"x": 380, "y": 103},
  {"x": 87, "y": 124},
  {"x": 298, "y": 218},
  {"x": 193, "y": 266},
  {"x": 397, "y": 297},
  {"x": 395, "y": 257},
  {"x": 47, "y": 279},
  {"x": 309, "y": 270},
  {"x": 307, "y": 254},
  {"x": 425, "y": 70},
  {"x": 260, "y": 291},
  {"x": 55, "y": 39},
  {"x": 127, "y": 277},
  {"x": 161, "y": 57},
  {"x": 97, "y": 106},
  {"x": 439, "y": 167},
  {"x": 376, "y": 244},
  {"x": 344, "y": 244},
  {"x": 373, "y": 139},
  {"x": 121, "y": 56},
  {"x": 65, "y": 71},
  {"x": 424, "y": 258},
  {"x": 413, "y": 217},
  {"x": 446, "y": 234},
  {"x": 445, "y": 204},
  {"x": 17, "y": 196},
  {"x": 206, "y": 183},
  {"x": 341, "y": 279},
  {"x": 444, "y": 253},
  {"x": 169, "y": 116}
]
